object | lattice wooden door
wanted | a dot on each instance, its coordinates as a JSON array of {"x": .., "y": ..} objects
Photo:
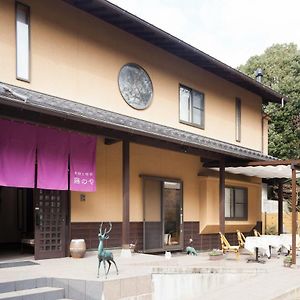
[{"x": 50, "y": 223}]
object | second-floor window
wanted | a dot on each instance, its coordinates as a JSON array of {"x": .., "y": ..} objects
[
  {"x": 236, "y": 203},
  {"x": 191, "y": 106},
  {"x": 238, "y": 113},
  {"x": 22, "y": 41}
]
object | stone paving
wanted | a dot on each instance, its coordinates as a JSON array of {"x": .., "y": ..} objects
[{"x": 271, "y": 280}]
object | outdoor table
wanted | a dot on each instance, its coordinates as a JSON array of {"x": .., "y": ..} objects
[
  {"x": 274, "y": 241},
  {"x": 286, "y": 240},
  {"x": 253, "y": 244}
]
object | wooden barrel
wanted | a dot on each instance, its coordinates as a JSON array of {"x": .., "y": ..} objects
[{"x": 77, "y": 248}]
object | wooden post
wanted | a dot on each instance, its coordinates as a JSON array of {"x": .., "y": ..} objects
[
  {"x": 125, "y": 223},
  {"x": 280, "y": 203},
  {"x": 222, "y": 196},
  {"x": 294, "y": 215}
]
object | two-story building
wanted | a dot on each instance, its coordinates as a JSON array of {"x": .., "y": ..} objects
[{"x": 105, "y": 117}]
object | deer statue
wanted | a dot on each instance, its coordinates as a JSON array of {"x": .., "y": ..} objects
[
  {"x": 105, "y": 255},
  {"x": 190, "y": 249}
]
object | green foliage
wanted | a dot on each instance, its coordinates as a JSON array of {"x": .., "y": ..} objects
[
  {"x": 271, "y": 230},
  {"x": 215, "y": 252},
  {"x": 281, "y": 67}
]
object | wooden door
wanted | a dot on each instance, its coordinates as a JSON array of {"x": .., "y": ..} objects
[{"x": 50, "y": 223}]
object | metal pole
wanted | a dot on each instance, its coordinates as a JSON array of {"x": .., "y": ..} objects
[
  {"x": 294, "y": 215},
  {"x": 222, "y": 196}
]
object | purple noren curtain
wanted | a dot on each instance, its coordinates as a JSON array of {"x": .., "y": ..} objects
[
  {"x": 83, "y": 163},
  {"x": 52, "y": 155},
  {"x": 17, "y": 154}
]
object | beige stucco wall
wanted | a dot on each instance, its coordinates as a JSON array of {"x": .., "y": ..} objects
[
  {"x": 106, "y": 203},
  {"x": 209, "y": 204},
  {"x": 162, "y": 163},
  {"x": 78, "y": 57},
  {"x": 200, "y": 193}
]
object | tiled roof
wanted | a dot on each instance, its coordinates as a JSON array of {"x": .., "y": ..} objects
[{"x": 33, "y": 100}]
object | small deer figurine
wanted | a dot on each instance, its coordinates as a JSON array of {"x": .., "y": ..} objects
[{"x": 105, "y": 255}]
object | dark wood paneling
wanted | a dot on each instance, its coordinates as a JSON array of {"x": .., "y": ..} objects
[
  {"x": 136, "y": 234},
  {"x": 89, "y": 232},
  {"x": 205, "y": 241},
  {"x": 258, "y": 226}
]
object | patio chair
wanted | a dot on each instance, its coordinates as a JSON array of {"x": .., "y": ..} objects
[
  {"x": 241, "y": 238},
  {"x": 226, "y": 247},
  {"x": 256, "y": 233}
]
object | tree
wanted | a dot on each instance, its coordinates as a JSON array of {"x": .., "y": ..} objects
[{"x": 281, "y": 68}]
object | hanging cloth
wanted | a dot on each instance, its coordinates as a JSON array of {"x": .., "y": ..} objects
[
  {"x": 82, "y": 163},
  {"x": 52, "y": 156},
  {"x": 17, "y": 154}
]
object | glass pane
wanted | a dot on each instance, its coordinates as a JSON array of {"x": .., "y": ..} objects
[
  {"x": 238, "y": 120},
  {"x": 197, "y": 100},
  {"x": 153, "y": 222},
  {"x": 22, "y": 42},
  {"x": 172, "y": 185},
  {"x": 172, "y": 211},
  {"x": 184, "y": 104},
  {"x": 227, "y": 203},
  {"x": 239, "y": 210},
  {"x": 196, "y": 116},
  {"x": 240, "y": 196}
]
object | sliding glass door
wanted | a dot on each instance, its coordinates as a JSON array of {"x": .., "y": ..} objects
[{"x": 163, "y": 214}]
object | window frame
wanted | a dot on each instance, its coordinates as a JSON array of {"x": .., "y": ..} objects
[
  {"x": 233, "y": 218},
  {"x": 27, "y": 7},
  {"x": 238, "y": 119},
  {"x": 190, "y": 123}
]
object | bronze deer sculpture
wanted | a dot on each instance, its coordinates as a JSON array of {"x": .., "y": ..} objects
[{"x": 105, "y": 255}]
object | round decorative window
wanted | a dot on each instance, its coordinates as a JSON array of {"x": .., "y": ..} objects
[{"x": 135, "y": 86}]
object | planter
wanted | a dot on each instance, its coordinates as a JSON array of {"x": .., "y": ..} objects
[
  {"x": 287, "y": 264},
  {"x": 77, "y": 248}
]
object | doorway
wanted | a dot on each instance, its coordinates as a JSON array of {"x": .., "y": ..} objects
[
  {"x": 33, "y": 222},
  {"x": 16, "y": 222},
  {"x": 163, "y": 214}
]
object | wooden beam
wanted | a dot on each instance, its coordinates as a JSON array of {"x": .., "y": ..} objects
[
  {"x": 294, "y": 215},
  {"x": 110, "y": 141},
  {"x": 280, "y": 210},
  {"x": 222, "y": 197},
  {"x": 126, "y": 172}
]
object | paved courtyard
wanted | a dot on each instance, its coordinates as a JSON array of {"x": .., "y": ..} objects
[{"x": 267, "y": 281}]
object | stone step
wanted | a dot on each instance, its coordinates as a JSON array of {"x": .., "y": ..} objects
[
  {"x": 41, "y": 293},
  {"x": 11, "y": 286}
]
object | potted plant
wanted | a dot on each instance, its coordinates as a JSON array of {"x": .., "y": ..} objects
[
  {"x": 287, "y": 262},
  {"x": 215, "y": 254}
]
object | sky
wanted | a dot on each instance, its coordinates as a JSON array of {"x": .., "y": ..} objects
[{"x": 230, "y": 30}]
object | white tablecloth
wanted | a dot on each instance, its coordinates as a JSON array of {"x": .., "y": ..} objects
[
  {"x": 253, "y": 242},
  {"x": 264, "y": 242},
  {"x": 274, "y": 241},
  {"x": 287, "y": 240}
]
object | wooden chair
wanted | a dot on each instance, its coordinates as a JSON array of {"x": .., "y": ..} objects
[
  {"x": 256, "y": 233},
  {"x": 226, "y": 247},
  {"x": 241, "y": 238}
]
